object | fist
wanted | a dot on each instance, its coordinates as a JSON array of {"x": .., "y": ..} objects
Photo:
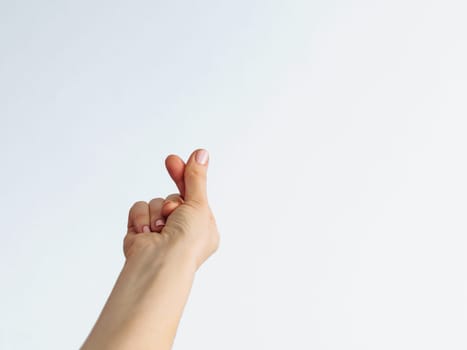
[{"x": 180, "y": 221}]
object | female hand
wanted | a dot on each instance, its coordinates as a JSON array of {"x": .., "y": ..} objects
[{"x": 180, "y": 221}]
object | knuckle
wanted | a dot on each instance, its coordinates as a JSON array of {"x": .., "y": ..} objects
[
  {"x": 138, "y": 243},
  {"x": 140, "y": 218},
  {"x": 174, "y": 197},
  {"x": 127, "y": 243},
  {"x": 155, "y": 200},
  {"x": 138, "y": 203},
  {"x": 125, "y": 240},
  {"x": 215, "y": 241},
  {"x": 197, "y": 204},
  {"x": 197, "y": 171}
]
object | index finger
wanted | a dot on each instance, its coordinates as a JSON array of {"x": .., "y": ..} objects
[{"x": 176, "y": 168}]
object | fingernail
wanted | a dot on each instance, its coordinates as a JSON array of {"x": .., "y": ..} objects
[
  {"x": 160, "y": 222},
  {"x": 146, "y": 228},
  {"x": 202, "y": 156}
]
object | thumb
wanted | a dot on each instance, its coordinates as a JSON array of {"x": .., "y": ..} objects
[{"x": 195, "y": 176}]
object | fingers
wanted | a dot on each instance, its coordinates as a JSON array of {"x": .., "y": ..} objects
[
  {"x": 171, "y": 203},
  {"x": 176, "y": 168},
  {"x": 190, "y": 179},
  {"x": 195, "y": 177},
  {"x": 138, "y": 217},
  {"x": 156, "y": 218},
  {"x": 153, "y": 214}
]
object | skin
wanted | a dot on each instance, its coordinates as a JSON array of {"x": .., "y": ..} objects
[{"x": 146, "y": 304}]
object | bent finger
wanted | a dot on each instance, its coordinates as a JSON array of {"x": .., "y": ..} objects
[
  {"x": 156, "y": 218},
  {"x": 171, "y": 203},
  {"x": 138, "y": 217}
]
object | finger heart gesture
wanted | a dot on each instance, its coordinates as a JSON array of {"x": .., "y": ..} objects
[{"x": 182, "y": 221}]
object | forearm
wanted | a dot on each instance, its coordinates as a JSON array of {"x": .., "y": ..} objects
[{"x": 145, "y": 306}]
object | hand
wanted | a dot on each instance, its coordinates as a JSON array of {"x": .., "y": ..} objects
[{"x": 189, "y": 222}]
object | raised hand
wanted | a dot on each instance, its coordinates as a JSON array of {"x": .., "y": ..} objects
[
  {"x": 182, "y": 220},
  {"x": 144, "y": 308}
]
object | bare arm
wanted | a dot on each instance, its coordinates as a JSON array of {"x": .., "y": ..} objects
[{"x": 145, "y": 306}]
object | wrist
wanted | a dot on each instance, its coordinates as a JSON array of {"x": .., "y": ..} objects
[{"x": 170, "y": 253}]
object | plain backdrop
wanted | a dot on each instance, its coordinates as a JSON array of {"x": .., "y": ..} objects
[{"x": 337, "y": 136}]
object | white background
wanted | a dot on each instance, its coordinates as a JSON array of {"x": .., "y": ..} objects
[{"x": 336, "y": 131}]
